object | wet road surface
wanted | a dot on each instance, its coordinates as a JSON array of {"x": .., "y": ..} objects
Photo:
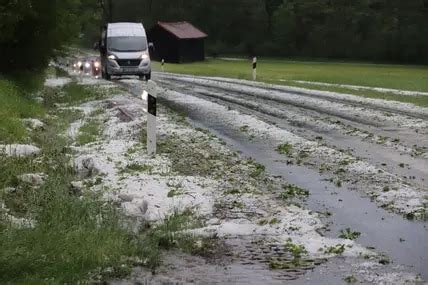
[{"x": 404, "y": 241}]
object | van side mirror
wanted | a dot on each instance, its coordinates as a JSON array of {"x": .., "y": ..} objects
[
  {"x": 151, "y": 46},
  {"x": 96, "y": 46}
]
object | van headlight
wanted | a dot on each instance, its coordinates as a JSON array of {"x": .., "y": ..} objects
[
  {"x": 111, "y": 57},
  {"x": 87, "y": 64},
  {"x": 145, "y": 56}
]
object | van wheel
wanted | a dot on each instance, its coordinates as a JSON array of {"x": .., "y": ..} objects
[{"x": 148, "y": 76}]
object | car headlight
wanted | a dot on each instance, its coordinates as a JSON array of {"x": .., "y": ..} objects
[
  {"x": 145, "y": 56},
  {"x": 87, "y": 64},
  {"x": 79, "y": 63},
  {"x": 97, "y": 64},
  {"x": 111, "y": 57}
]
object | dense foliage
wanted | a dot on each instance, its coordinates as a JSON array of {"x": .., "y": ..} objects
[
  {"x": 384, "y": 30},
  {"x": 31, "y": 30}
]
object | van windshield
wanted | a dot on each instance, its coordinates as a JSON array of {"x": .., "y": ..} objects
[{"x": 127, "y": 44}]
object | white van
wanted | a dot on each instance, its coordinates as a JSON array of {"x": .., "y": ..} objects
[{"x": 124, "y": 51}]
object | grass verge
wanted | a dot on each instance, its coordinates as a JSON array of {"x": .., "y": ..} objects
[
  {"x": 15, "y": 106},
  {"x": 75, "y": 239},
  {"x": 89, "y": 132},
  {"x": 72, "y": 236}
]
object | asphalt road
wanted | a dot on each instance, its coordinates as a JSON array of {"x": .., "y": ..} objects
[{"x": 390, "y": 139}]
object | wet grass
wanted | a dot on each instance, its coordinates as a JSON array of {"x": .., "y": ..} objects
[
  {"x": 263, "y": 222},
  {"x": 73, "y": 94},
  {"x": 171, "y": 234},
  {"x": 73, "y": 235},
  {"x": 258, "y": 171},
  {"x": 337, "y": 249},
  {"x": 348, "y": 234},
  {"x": 244, "y": 128},
  {"x": 198, "y": 156},
  {"x": 350, "y": 279},
  {"x": 297, "y": 260},
  {"x": 293, "y": 191},
  {"x": 187, "y": 161},
  {"x": 285, "y": 149},
  {"x": 175, "y": 192},
  {"x": 15, "y": 106},
  {"x": 75, "y": 239},
  {"x": 89, "y": 132},
  {"x": 284, "y": 72},
  {"x": 136, "y": 167}
]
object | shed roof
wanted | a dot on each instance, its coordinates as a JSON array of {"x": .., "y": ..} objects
[{"x": 182, "y": 30}]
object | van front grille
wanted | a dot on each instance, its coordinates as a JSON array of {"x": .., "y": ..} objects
[{"x": 129, "y": 62}]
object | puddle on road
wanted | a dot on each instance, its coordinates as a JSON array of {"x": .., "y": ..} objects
[{"x": 405, "y": 242}]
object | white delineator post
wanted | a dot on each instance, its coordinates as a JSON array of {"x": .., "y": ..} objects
[
  {"x": 150, "y": 97},
  {"x": 254, "y": 68},
  {"x": 162, "y": 65}
]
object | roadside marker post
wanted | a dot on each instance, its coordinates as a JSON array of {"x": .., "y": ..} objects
[
  {"x": 254, "y": 68},
  {"x": 162, "y": 65},
  {"x": 149, "y": 100}
]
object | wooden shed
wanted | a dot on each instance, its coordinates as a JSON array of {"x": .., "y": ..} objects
[{"x": 177, "y": 42}]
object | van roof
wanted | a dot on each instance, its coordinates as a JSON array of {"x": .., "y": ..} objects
[{"x": 125, "y": 30}]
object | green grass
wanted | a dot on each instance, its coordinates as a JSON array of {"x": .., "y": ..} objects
[
  {"x": 136, "y": 167},
  {"x": 73, "y": 235},
  {"x": 292, "y": 191},
  {"x": 404, "y": 77},
  {"x": 15, "y": 106},
  {"x": 75, "y": 239},
  {"x": 258, "y": 171},
  {"x": 170, "y": 234},
  {"x": 285, "y": 149},
  {"x": 298, "y": 252},
  {"x": 337, "y": 249},
  {"x": 74, "y": 94},
  {"x": 348, "y": 234},
  {"x": 89, "y": 132}
]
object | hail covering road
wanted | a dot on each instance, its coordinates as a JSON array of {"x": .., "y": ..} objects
[{"x": 377, "y": 149}]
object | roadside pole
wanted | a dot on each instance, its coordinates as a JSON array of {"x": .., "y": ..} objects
[
  {"x": 162, "y": 65},
  {"x": 150, "y": 97},
  {"x": 254, "y": 68}
]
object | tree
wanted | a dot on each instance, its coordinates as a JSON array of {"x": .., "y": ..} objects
[
  {"x": 271, "y": 7},
  {"x": 33, "y": 29}
]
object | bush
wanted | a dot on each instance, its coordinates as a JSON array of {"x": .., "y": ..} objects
[
  {"x": 216, "y": 49},
  {"x": 31, "y": 31}
]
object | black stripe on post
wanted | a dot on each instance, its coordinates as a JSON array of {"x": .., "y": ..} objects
[
  {"x": 254, "y": 65},
  {"x": 151, "y": 108}
]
